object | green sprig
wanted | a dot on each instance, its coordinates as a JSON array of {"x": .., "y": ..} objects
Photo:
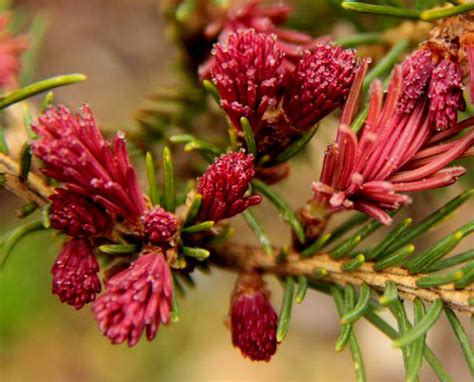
[
  {"x": 354, "y": 221},
  {"x": 385, "y": 327},
  {"x": 382, "y": 10},
  {"x": 354, "y": 264},
  {"x": 14, "y": 237},
  {"x": 210, "y": 151},
  {"x": 193, "y": 210},
  {"x": 319, "y": 273},
  {"x": 286, "y": 307},
  {"x": 46, "y": 101},
  {"x": 391, "y": 333},
  {"x": 194, "y": 144},
  {"x": 386, "y": 63},
  {"x": 437, "y": 280},
  {"x": 45, "y": 219},
  {"x": 153, "y": 192},
  {"x": 316, "y": 245},
  {"x": 118, "y": 249},
  {"x": 169, "y": 192},
  {"x": 204, "y": 226},
  {"x": 369, "y": 228},
  {"x": 467, "y": 278},
  {"x": 353, "y": 343},
  {"x": 302, "y": 289},
  {"x": 259, "y": 231},
  {"x": 416, "y": 359},
  {"x": 346, "y": 247},
  {"x": 212, "y": 90},
  {"x": 360, "y": 120},
  {"x": 3, "y": 142},
  {"x": 432, "y": 219},
  {"x": 185, "y": 10},
  {"x": 463, "y": 338},
  {"x": 439, "y": 250},
  {"x": 421, "y": 327},
  {"x": 39, "y": 87},
  {"x": 390, "y": 294},
  {"x": 197, "y": 253},
  {"x": 287, "y": 214},
  {"x": 451, "y": 261},
  {"x": 25, "y": 161},
  {"x": 392, "y": 237},
  {"x": 346, "y": 328},
  {"x": 396, "y": 258},
  {"x": 359, "y": 309},
  {"x": 248, "y": 135},
  {"x": 398, "y": 310},
  {"x": 296, "y": 146},
  {"x": 355, "y": 40},
  {"x": 27, "y": 120},
  {"x": 175, "y": 314},
  {"x": 440, "y": 13}
]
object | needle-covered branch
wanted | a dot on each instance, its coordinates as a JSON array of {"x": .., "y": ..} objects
[{"x": 238, "y": 257}]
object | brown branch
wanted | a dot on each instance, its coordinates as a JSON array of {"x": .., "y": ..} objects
[
  {"x": 32, "y": 189},
  {"x": 243, "y": 258}
]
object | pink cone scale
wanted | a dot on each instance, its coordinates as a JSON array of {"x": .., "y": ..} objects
[
  {"x": 138, "y": 299},
  {"x": 75, "y": 152},
  {"x": 76, "y": 215},
  {"x": 318, "y": 85},
  {"x": 75, "y": 279},
  {"x": 247, "y": 74},
  {"x": 416, "y": 71},
  {"x": 263, "y": 20},
  {"x": 160, "y": 226},
  {"x": 223, "y": 187},
  {"x": 446, "y": 95},
  {"x": 441, "y": 82},
  {"x": 396, "y": 152},
  {"x": 280, "y": 103},
  {"x": 253, "y": 320}
]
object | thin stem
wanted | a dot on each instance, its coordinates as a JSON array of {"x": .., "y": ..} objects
[
  {"x": 361, "y": 39},
  {"x": 435, "y": 14},
  {"x": 382, "y": 10},
  {"x": 15, "y": 236},
  {"x": 40, "y": 87}
]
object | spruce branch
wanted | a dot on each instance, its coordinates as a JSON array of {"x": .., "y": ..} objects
[
  {"x": 240, "y": 257},
  {"x": 168, "y": 246}
]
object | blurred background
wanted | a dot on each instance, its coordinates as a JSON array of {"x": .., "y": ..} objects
[{"x": 122, "y": 46}]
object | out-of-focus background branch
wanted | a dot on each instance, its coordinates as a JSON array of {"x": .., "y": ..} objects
[{"x": 122, "y": 47}]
